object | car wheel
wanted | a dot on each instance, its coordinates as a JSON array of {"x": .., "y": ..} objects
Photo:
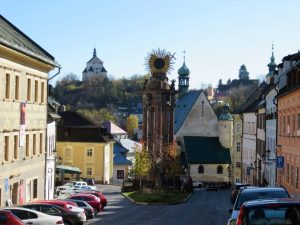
[
  {"x": 95, "y": 210},
  {"x": 67, "y": 223}
]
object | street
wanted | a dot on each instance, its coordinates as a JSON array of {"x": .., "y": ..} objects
[{"x": 203, "y": 208}]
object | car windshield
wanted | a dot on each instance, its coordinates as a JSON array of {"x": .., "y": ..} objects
[
  {"x": 243, "y": 197},
  {"x": 284, "y": 215}
]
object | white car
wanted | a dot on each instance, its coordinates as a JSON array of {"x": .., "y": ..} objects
[
  {"x": 29, "y": 216},
  {"x": 197, "y": 184}
]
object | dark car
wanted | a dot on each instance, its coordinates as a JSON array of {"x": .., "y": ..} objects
[
  {"x": 255, "y": 193},
  {"x": 212, "y": 186},
  {"x": 69, "y": 217},
  {"x": 89, "y": 211},
  {"x": 235, "y": 190},
  {"x": 275, "y": 211},
  {"x": 7, "y": 218}
]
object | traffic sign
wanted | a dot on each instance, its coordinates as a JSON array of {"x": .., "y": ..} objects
[{"x": 279, "y": 162}]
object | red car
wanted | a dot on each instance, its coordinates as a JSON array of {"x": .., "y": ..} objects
[
  {"x": 7, "y": 218},
  {"x": 99, "y": 195},
  {"x": 62, "y": 203},
  {"x": 93, "y": 201}
]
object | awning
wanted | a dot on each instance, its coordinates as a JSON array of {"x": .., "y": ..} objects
[{"x": 70, "y": 169}]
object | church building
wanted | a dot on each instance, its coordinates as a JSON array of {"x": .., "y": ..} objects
[{"x": 204, "y": 139}]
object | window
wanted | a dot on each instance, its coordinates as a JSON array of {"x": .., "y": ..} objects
[
  {"x": 287, "y": 172},
  {"x": 201, "y": 169},
  {"x": 90, "y": 152},
  {"x": 6, "y": 148},
  {"x": 16, "y": 147},
  {"x": 48, "y": 209},
  {"x": 237, "y": 180},
  {"x": 293, "y": 125},
  {"x": 298, "y": 123},
  {"x": 41, "y": 143},
  {"x": 35, "y": 188},
  {"x": 68, "y": 152},
  {"x": 89, "y": 171},
  {"x": 219, "y": 170},
  {"x": 284, "y": 125},
  {"x": 238, "y": 164},
  {"x": 120, "y": 174},
  {"x": 36, "y": 91},
  {"x": 28, "y": 89},
  {"x": 27, "y": 145},
  {"x": 238, "y": 146},
  {"x": 17, "y": 88},
  {"x": 238, "y": 127},
  {"x": 34, "y": 144},
  {"x": 292, "y": 175},
  {"x": 42, "y": 92}
]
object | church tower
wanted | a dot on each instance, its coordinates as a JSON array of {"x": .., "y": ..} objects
[
  {"x": 226, "y": 127},
  {"x": 183, "y": 78},
  {"x": 272, "y": 68},
  {"x": 158, "y": 104}
]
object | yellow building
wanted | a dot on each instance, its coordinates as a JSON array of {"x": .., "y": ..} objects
[
  {"x": 24, "y": 68},
  {"x": 236, "y": 156},
  {"x": 82, "y": 144}
]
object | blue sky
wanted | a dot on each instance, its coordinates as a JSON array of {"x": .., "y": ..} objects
[{"x": 218, "y": 36}]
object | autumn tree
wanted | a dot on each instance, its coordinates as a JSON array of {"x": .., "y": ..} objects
[{"x": 131, "y": 124}]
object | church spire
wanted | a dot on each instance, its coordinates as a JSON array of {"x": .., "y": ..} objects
[
  {"x": 94, "y": 54},
  {"x": 272, "y": 65}
]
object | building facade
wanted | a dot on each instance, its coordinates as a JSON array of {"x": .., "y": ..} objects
[
  {"x": 24, "y": 68},
  {"x": 236, "y": 157}
]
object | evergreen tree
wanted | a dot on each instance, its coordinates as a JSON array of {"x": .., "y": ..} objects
[
  {"x": 228, "y": 81},
  {"x": 220, "y": 82},
  {"x": 243, "y": 73}
]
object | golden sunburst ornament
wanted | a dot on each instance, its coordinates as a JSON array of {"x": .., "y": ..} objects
[{"x": 159, "y": 61}]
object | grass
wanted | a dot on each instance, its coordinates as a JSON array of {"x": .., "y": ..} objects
[{"x": 164, "y": 198}]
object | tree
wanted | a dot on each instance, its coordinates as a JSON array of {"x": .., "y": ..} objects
[
  {"x": 142, "y": 165},
  {"x": 131, "y": 124},
  {"x": 243, "y": 73},
  {"x": 220, "y": 82},
  {"x": 228, "y": 81}
]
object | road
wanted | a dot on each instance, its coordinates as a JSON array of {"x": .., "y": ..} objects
[{"x": 202, "y": 208}]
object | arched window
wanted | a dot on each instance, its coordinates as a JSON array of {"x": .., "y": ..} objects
[
  {"x": 219, "y": 169},
  {"x": 200, "y": 169}
]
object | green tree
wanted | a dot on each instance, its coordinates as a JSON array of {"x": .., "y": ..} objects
[
  {"x": 243, "y": 73},
  {"x": 131, "y": 124},
  {"x": 142, "y": 164}
]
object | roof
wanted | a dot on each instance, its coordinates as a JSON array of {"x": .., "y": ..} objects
[
  {"x": 14, "y": 38},
  {"x": 183, "y": 70},
  {"x": 120, "y": 155},
  {"x": 206, "y": 150},
  {"x": 130, "y": 145},
  {"x": 76, "y": 128},
  {"x": 183, "y": 106},
  {"x": 113, "y": 128},
  {"x": 103, "y": 69},
  {"x": 68, "y": 168}
]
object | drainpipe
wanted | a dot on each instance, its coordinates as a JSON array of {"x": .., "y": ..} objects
[{"x": 46, "y": 143}]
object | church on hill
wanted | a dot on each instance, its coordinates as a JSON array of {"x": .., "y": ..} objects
[
  {"x": 204, "y": 139},
  {"x": 94, "y": 68}
]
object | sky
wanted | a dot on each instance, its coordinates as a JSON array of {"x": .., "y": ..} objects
[{"x": 217, "y": 35}]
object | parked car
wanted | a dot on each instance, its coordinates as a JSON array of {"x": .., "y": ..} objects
[
  {"x": 235, "y": 190},
  {"x": 68, "y": 205},
  {"x": 276, "y": 211},
  {"x": 29, "y": 216},
  {"x": 89, "y": 211},
  {"x": 255, "y": 193},
  {"x": 7, "y": 218},
  {"x": 99, "y": 195},
  {"x": 212, "y": 186},
  {"x": 69, "y": 217},
  {"x": 197, "y": 184},
  {"x": 93, "y": 201}
]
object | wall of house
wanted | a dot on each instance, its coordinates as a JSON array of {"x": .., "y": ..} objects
[
  {"x": 117, "y": 180},
  {"x": 22, "y": 165},
  {"x": 210, "y": 173},
  {"x": 200, "y": 121},
  {"x": 89, "y": 157},
  {"x": 236, "y": 157},
  {"x": 289, "y": 141}
]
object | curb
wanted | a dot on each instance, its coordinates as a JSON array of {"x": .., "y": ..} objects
[{"x": 143, "y": 203}]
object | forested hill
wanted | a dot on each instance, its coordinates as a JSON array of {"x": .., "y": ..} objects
[{"x": 102, "y": 92}]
